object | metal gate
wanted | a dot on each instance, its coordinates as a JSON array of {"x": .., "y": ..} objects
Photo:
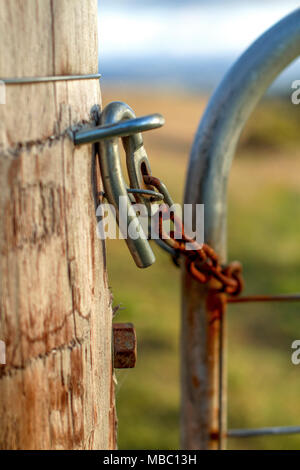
[{"x": 204, "y": 394}]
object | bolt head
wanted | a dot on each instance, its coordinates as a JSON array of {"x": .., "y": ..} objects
[{"x": 124, "y": 345}]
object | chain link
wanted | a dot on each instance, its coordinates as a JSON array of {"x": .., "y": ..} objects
[{"x": 201, "y": 261}]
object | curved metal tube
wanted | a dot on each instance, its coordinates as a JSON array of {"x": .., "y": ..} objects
[
  {"x": 225, "y": 117},
  {"x": 203, "y": 401}
]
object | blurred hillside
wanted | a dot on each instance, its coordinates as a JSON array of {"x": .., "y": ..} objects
[
  {"x": 263, "y": 232},
  {"x": 274, "y": 126}
]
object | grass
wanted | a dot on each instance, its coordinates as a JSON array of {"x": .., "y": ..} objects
[{"x": 263, "y": 232}]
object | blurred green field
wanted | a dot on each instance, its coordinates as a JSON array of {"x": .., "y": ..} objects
[{"x": 263, "y": 232}]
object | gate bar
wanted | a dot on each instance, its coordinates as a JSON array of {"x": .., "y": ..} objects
[
  {"x": 271, "y": 431},
  {"x": 265, "y": 298},
  {"x": 203, "y": 397}
]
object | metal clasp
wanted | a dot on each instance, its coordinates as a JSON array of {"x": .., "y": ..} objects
[{"x": 118, "y": 120}]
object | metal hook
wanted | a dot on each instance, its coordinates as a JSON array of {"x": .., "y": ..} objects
[{"x": 118, "y": 120}]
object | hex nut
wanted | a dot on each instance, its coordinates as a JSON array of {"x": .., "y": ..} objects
[{"x": 124, "y": 346}]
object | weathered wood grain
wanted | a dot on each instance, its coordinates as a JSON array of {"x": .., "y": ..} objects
[
  {"x": 48, "y": 37},
  {"x": 56, "y": 388}
]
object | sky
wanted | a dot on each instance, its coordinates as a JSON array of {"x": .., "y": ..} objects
[{"x": 172, "y": 34}]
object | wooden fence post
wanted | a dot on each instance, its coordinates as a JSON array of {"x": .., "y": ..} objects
[{"x": 56, "y": 387}]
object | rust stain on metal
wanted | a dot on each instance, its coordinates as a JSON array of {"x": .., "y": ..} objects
[
  {"x": 124, "y": 346},
  {"x": 215, "y": 303},
  {"x": 196, "y": 381},
  {"x": 266, "y": 298},
  {"x": 214, "y": 435}
]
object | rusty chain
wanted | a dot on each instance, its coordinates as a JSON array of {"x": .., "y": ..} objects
[{"x": 201, "y": 262}]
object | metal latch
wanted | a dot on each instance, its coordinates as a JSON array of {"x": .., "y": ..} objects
[{"x": 118, "y": 120}]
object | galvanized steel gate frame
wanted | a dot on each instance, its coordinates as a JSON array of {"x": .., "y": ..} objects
[{"x": 203, "y": 351}]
